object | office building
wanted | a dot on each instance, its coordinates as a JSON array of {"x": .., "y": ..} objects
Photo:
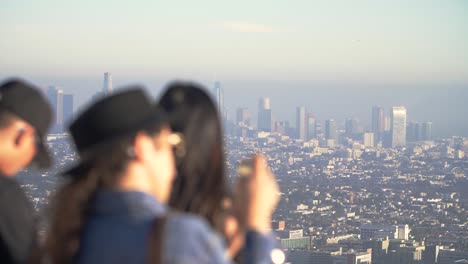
[
  {"x": 311, "y": 125},
  {"x": 331, "y": 132},
  {"x": 55, "y": 96},
  {"x": 377, "y": 232},
  {"x": 219, "y": 98},
  {"x": 301, "y": 123},
  {"x": 413, "y": 132},
  {"x": 264, "y": 115},
  {"x": 426, "y": 131},
  {"x": 378, "y": 122},
  {"x": 398, "y": 126},
  {"x": 402, "y": 232},
  {"x": 281, "y": 127},
  {"x": 67, "y": 108},
  {"x": 351, "y": 127},
  {"x": 107, "y": 86},
  {"x": 242, "y": 117},
  {"x": 368, "y": 139}
]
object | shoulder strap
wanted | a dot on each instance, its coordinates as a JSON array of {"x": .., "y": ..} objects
[{"x": 156, "y": 240}]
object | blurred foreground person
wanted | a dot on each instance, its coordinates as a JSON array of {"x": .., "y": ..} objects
[
  {"x": 113, "y": 210},
  {"x": 25, "y": 117},
  {"x": 200, "y": 186}
]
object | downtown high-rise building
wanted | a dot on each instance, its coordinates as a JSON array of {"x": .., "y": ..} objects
[
  {"x": 107, "y": 85},
  {"x": 426, "y": 131},
  {"x": 301, "y": 128},
  {"x": 413, "y": 132},
  {"x": 311, "y": 124},
  {"x": 331, "y": 130},
  {"x": 242, "y": 117},
  {"x": 281, "y": 127},
  {"x": 62, "y": 105},
  {"x": 219, "y": 98},
  {"x": 67, "y": 108},
  {"x": 264, "y": 115},
  {"x": 352, "y": 126},
  {"x": 55, "y": 96},
  {"x": 378, "y": 122},
  {"x": 398, "y": 126},
  {"x": 368, "y": 139}
]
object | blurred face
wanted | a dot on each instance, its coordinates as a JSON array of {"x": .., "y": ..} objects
[
  {"x": 20, "y": 148},
  {"x": 162, "y": 164}
]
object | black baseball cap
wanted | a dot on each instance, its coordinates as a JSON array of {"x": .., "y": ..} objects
[
  {"x": 109, "y": 119},
  {"x": 26, "y": 101}
]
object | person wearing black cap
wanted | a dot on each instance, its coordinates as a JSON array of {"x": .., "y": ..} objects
[
  {"x": 113, "y": 208},
  {"x": 25, "y": 117}
]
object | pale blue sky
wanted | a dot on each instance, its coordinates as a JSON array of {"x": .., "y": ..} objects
[
  {"x": 286, "y": 40},
  {"x": 338, "y": 58}
]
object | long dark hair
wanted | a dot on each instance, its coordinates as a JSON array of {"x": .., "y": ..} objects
[
  {"x": 71, "y": 202},
  {"x": 200, "y": 185},
  {"x": 70, "y": 206}
]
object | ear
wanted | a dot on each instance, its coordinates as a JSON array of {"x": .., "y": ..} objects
[
  {"x": 19, "y": 136},
  {"x": 23, "y": 135}
]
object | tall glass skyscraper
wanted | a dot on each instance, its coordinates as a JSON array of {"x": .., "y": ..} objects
[
  {"x": 330, "y": 129},
  {"x": 63, "y": 108},
  {"x": 55, "y": 96},
  {"x": 311, "y": 126},
  {"x": 67, "y": 108},
  {"x": 219, "y": 97},
  {"x": 398, "y": 126},
  {"x": 426, "y": 132},
  {"x": 378, "y": 122},
  {"x": 264, "y": 115},
  {"x": 107, "y": 86},
  {"x": 242, "y": 117},
  {"x": 301, "y": 129}
]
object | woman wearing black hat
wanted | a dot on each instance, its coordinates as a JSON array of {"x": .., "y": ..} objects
[
  {"x": 200, "y": 186},
  {"x": 113, "y": 207}
]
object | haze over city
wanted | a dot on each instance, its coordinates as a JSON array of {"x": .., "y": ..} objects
[{"x": 337, "y": 58}]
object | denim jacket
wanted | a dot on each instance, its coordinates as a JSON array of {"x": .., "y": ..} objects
[{"x": 118, "y": 227}]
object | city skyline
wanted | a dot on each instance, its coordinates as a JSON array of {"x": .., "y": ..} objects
[{"x": 365, "y": 121}]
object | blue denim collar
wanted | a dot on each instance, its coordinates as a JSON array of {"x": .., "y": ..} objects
[{"x": 126, "y": 203}]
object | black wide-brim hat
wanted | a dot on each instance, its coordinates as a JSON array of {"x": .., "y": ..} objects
[
  {"x": 25, "y": 101},
  {"x": 109, "y": 119}
]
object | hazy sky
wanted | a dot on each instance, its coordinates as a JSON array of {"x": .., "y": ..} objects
[{"x": 290, "y": 45}]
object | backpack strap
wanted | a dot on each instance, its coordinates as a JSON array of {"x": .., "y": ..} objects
[{"x": 155, "y": 254}]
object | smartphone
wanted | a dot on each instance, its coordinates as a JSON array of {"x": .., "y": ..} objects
[{"x": 246, "y": 168}]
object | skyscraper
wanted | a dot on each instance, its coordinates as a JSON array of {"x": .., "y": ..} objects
[
  {"x": 330, "y": 129},
  {"x": 55, "y": 96},
  {"x": 387, "y": 124},
  {"x": 219, "y": 98},
  {"x": 60, "y": 109},
  {"x": 281, "y": 127},
  {"x": 242, "y": 117},
  {"x": 301, "y": 123},
  {"x": 352, "y": 126},
  {"x": 67, "y": 108},
  {"x": 413, "y": 132},
  {"x": 311, "y": 126},
  {"x": 426, "y": 131},
  {"x": 378, "y": 122},
  {"x": 107, "y": 87},
  {"x": 264, "y": 115},
  {"x": 398, "y": 126},
  {"x": 368, "y": 139},
  {"x": 52, "y": 96}
]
